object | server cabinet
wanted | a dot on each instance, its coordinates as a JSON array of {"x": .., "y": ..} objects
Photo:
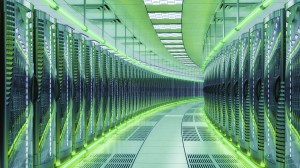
[
  {"x": 274, "y": 89},
  {"x": 244, "y": 97},
  {"x": 3, "y": 121},
  {"x": 64, "y": 39},
  {"x": 114, "y": 90},
  {"x": 121, "y": 90},
  {"x": 227, "y": 61},
  {"x": 109, "y": 109},
  {"x": 46, "y": 89},
  {"x": 104, "y": 88},
  {"x": 221, "y": 77},
  {"x": 18, "y": 83},
  {"x": 98, "y": 120},
  {"x": 78, "y": 123},
  {"x": 89, "y": 91},
  {"x": 256, "y": 92},
  {"x": 234, "y": 90},
  {"x": 292, "y": 85}
]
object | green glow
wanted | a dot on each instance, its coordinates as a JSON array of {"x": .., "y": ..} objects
[
  {"x": 97, "y": 37},
  {"x": 105, "y": 137},
  {"x": 51, "y": 3},
  {"x": 243, "y": 23},
  {"x": 235, "y": 149},
  {"x": 23, "y": 128}
]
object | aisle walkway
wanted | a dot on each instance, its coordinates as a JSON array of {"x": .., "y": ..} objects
[{"x": 174, "y": 138}]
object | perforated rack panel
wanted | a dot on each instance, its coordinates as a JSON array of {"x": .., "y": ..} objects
[
  {"x": 292, "y": 85},
  {"x": 256, "y": 92},
  {"x": 244, "y": 95},
  {"x": 46, "y": 87},
  {"x": 274, "y": 89},
  {"x": 65, "y": 91}
]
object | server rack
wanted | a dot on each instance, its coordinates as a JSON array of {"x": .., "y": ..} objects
[
  {"x": 89, "y": 91},
  {"x": 78, "y": 126},
  {"x": 98, "y": 119},
  {"x": 46, "y": 89},
  {"x": 256, "y": 92},
  {"x": 244, "y": 97},
  {"x": 114, "y": 90},
  {"x": 292, "y": 85},
  {"x": 227, "y": 94},
  {"x": 274, "y": 89},
  {"x": 104, "y": 95},
  {"x": 234, "y": 90},
  {"x": 65, "y": 87},
  {"x": 18, "y": 83}
]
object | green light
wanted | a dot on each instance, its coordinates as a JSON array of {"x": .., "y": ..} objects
[
  {"x": 72, "y": 19},
  {"x": 255, "y": 12},
  {"x": 244, "y": 22},
  {"x": 51, "y": 3}
]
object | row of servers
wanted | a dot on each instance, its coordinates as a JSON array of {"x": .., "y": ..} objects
[
  {"x": 60, "y": 90},
  {"x": 252, "y": 89}
]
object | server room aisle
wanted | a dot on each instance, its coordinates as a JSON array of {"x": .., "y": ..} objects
[{"x": 177, "y": 137}]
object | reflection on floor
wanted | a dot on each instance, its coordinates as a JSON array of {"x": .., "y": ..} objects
[{"x": 174, "y": 138}]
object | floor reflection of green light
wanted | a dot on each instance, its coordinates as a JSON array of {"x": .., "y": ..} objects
[
  {"x": 228, "y": 144},
  {"x": 120, "y": 128}
]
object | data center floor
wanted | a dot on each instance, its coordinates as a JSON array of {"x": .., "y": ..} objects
[{"x": 178, "y": 137}]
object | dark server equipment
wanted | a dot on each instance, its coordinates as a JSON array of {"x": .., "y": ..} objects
[
  {"x": 104, "y": 93},
  {"x": 256, "y": 92},
  {"x": 292, "y": 85},
  {"x": 227, "y": 87},
  {"x": 19, "y": 84},
  {"x": 244, "y": 97},
  {"x": 98, "y": 119},
  {"x": 222, "y": 90},
  {"x": 64, "y": 54},
  {"x": 234, "y": 87},
  {"x": 78, "y": 122},
  {"x": 46, "y": 87},
  {"x": 274, "y": 89},
  {"x": 89, "y": 91}
]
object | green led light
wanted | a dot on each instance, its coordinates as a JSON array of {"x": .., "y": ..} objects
[
  {"x": 244, "y": 22},
  {"x": 255, "y": 12},
  {"x": 72, "y": 19},
  {"x": 51, "y": 3}
]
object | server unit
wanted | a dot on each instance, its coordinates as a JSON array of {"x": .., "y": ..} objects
[
  {"x": 78, "y": 125},
  {"x": 256, "y": 92},
  {"x": 98, "y": 91},
  {"x": 244, "y": 96},
  {"x": 234, "y": 87},
  {"x": 227, "y": 90},
  {"x": 90, "y": 91},
  {"x": 46, "y": 89},
  {"x": 292, "y": 85},
  {"x": 104, "y": 88},
  {"x": 18, "y": 79},
  {"x": 274, "y": 89},
  {"x": 64, "y": 54}
]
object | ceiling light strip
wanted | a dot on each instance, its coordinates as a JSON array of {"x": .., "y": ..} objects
[
  {"x": 165, "y": 15},
  {"x": 167, "y": 26},
  {"x": 243, "y": 23},
  {"x": 163, "y": 2},
  {"x": 96, "y": 36}
]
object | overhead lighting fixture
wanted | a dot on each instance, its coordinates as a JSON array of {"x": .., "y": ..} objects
[
  {"x": 171, "y": 41},
  {"x": 165, "y": 15},
  {"x": 167, "y": 26},
  {"x": 169, "y": 34},
  {"x": 163, "y": 2},
  {"x": 174, "y": 46},
  {"x": 176, "y": 50},
  {"x": 181, "y": 56},
  {"x": 178, "y": 53}
]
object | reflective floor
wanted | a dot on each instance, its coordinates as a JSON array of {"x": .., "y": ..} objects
[{"x": 177, "y": 137}]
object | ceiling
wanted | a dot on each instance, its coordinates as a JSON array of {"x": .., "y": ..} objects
[{"x": 170, "y": 35}]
